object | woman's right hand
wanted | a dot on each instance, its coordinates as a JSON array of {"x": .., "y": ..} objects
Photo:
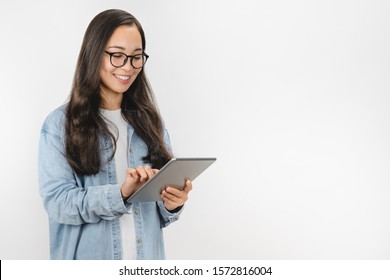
[{"x": 136, "y": 178}]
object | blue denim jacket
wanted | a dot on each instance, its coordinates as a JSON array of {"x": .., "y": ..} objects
[{"x": 84, "y": 211}]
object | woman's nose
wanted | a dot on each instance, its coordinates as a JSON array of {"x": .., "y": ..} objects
[{"x": 127, "y": 66}]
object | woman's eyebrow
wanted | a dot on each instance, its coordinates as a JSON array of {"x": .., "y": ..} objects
[
  {"x": 116, "y": 47},
  {"x": 122, "y": 48}
]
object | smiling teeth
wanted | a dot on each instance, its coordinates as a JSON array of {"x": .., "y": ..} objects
[{"x": 124, "y": 78}]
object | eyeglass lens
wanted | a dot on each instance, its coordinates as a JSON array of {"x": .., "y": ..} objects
[{"x": 120, "y": 59}]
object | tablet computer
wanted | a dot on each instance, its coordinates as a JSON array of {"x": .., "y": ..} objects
[{"x": 175, "y": 172}]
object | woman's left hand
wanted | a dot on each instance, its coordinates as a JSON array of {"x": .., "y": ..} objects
[{"x": 174, "y": 197}]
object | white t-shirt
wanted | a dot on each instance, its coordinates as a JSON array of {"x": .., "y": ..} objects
[{"x": 129, "y": 251}]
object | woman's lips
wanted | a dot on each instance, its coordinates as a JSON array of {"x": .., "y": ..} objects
[{"x": 122, "y": 78}]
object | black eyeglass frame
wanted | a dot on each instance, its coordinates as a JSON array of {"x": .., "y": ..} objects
[{"x": 127, "y": 58}]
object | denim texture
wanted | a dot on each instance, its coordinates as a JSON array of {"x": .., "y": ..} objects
[{"x": 84, "y": 211}]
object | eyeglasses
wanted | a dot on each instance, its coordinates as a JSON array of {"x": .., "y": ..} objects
[{"x": 118, "y": 59}]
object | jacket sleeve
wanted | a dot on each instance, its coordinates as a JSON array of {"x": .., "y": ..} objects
[
  {"x": 64, "y": 198},
  {"x": 166, "y": 217}
]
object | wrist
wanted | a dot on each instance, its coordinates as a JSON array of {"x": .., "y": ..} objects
[
  {"x": 173, "y": 211},
  {"x": 124, "y": 195}
]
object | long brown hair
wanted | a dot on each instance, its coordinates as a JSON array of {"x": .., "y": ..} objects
[{"x": 84, "y": 122}]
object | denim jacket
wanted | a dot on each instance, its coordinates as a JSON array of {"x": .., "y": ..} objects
[{"x": 84, "y": 211}]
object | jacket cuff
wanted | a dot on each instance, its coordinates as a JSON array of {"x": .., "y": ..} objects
[
  {"x": 116, "y": 203},
  {"x": 167, "y": 216}
]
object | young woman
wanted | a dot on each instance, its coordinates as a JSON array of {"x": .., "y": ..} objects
[{"x": 100, "y": 147}]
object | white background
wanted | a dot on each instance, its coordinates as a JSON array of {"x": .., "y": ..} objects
[{"x": 292, "y": 97}]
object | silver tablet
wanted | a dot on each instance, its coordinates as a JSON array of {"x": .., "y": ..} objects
[{"x": 174, "y": 172}]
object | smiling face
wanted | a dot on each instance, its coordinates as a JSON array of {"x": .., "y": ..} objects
[{"x": 115, "y": 81}]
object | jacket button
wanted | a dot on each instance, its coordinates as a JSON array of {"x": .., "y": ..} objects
[
  {"x": 136, "y": 212},
  {"x": 139, "y": 241}
]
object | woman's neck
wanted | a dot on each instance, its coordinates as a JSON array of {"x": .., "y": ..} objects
[{"x": 111, "y": 100}]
